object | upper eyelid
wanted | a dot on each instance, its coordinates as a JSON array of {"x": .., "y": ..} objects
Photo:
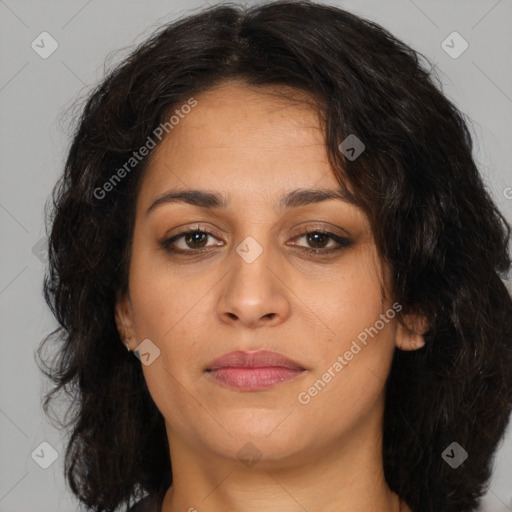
[
  {"x": 272, "y": 229},
  {"x": 306, "y": 230},
  {"x": 305, "y": 226}
]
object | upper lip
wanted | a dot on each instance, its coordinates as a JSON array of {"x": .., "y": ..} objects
[{"x": 259, "y": 359}]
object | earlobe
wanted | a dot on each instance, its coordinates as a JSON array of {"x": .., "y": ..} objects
[
  {"x": 410, "y": 332},
  {"x": 124, "y": 321}
]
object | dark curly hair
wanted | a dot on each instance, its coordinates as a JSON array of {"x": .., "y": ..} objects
[{"x": 435, "y": 225}]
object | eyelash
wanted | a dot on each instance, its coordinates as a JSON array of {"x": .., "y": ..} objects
[{"x": 341, "y": 241}]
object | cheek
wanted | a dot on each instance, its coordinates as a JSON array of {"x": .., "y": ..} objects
[
  {"x": 168, "y": 311},
  {"x": 353, "y": 299},
  {"x": 348, "y": 384},
  {"x": 163, "y": 300},
  {"x": 165, "y": 309},
  {"x": 355, "y": 359}
]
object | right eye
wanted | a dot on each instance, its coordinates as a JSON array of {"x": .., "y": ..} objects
[{"x": 194, "y": 240}]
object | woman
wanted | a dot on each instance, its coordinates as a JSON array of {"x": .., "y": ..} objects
[{"x": 277, "y": 211}]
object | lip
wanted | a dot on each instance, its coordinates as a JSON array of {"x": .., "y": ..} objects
[{"x": 253, "y": 371}]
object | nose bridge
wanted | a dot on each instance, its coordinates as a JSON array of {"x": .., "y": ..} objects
[
  {"x": 253, "y": 291},
  {"x": 251, "y": 262},
  {"x": 255, "y": 245}
]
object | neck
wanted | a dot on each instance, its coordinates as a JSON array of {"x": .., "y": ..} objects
[{"x": 342, "y": 476}]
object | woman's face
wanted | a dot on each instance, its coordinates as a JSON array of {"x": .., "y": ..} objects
[{"x": 255, "y": 287}]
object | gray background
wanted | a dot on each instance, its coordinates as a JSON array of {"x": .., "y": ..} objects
[{"x": 34, "y": 96}]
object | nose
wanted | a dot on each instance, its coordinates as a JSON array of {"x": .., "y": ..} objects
[{"x": 254, "y": 294}]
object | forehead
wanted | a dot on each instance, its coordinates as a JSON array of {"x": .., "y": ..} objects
[{"x": 243, "y": 140}]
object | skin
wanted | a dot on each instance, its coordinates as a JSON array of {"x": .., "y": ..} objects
[{"x": 255, "y": 146}]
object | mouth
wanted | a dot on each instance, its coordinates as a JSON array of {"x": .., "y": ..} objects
[{"x": 253, "y": 371}]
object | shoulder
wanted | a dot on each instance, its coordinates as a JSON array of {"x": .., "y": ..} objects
[{"x": 147, "y": 504}]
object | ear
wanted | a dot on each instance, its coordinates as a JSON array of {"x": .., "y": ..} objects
[
  {"x": 410, "y": 331},
  {"x": 124, "y": 321}
]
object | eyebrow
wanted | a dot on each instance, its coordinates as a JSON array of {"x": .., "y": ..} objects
[{"x": 214, "y": 200}]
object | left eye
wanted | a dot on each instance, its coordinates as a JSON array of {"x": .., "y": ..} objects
[
  {"x": 318, "y": 238},
  {"x": 195, "y": 241}
]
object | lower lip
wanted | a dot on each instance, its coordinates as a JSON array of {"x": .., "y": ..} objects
[{"x": 253, "y": 379}]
